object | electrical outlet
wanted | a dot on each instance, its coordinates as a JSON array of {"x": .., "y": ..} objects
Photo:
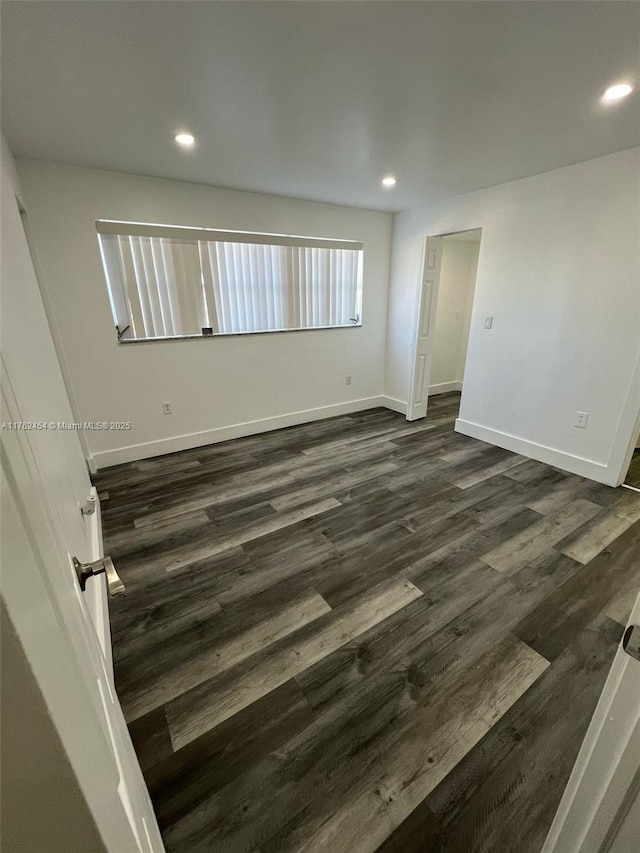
[
  {"x": 166, "y": 409},
  {"x": 347, "y": 380},
  {"x": 581, "y": 420},
  {"x": 488, "y": 322}
]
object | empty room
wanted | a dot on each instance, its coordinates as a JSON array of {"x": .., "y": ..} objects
[{"x": 320, "y": 340}]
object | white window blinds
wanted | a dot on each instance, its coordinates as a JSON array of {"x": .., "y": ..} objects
[{"x": 171, "y": 282}]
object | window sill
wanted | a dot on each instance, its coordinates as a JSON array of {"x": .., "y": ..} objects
[{"x": 235, "y": 334}]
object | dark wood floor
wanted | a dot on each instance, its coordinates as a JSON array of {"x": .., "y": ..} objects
[
  {"x": 363, "y": 635},
  {"x": 633, "y": 474}
]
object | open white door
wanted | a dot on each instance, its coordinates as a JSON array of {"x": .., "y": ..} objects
[
  {"x": 44, "y": 484},
  {"x": 425, "y": 322},
  {"x": 600, "y": 809}
]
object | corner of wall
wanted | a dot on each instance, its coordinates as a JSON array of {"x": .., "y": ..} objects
[
  {"x": 7, "y": 162},
  {"x": 393, "y": 404},
  {"x": 549, "y": 455}
]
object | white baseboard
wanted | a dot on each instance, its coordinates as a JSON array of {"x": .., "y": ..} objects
[
  {"x": 394, "y": 405},
  {"x": 444, "y": 388},
  {"x": 133, "y": 452},
  {"x": 558, "y": 458}
]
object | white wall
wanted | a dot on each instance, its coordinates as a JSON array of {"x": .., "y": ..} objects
[
  {"x": 453, "y": 314},
  {"x": 218, "y": 387},
  {"x": 559, "y": 270}
]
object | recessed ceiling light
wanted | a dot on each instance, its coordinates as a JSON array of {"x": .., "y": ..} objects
[
  {"x": 185, "y": 139},
  {"x": 615, "y": 93},
  {"x": 389, "y": 181}
]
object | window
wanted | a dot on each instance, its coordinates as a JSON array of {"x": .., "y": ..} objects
[{"x": 167, "y": 282}]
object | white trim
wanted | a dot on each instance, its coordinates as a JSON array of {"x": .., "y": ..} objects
[
  {"x": 132, "y": 452},
  {"x": 181, "y": 232},
  {"x": 394, "y": 405},
  {"x": 551, "y": 456},
  {"x": 426, "y": 308},
  {"x": 627, "y": 432},
  {"x": 444, "y": 387}
]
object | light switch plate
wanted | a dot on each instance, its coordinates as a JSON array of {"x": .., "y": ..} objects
[{"x": 488, "y": 322}]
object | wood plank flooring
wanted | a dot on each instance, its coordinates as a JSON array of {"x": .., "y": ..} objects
[{"x": 363, "y": 635}]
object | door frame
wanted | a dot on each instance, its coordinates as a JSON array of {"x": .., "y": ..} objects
[
  {"x": 627, "y": 434},
  {"x": 425, "y": 317},
  {"x": 412, "y": 408}
]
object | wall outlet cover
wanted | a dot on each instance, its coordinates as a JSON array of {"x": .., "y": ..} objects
[{"x": 581, "y": 420}]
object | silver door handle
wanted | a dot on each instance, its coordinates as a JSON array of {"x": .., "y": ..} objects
[
  {"x": 84, "y": 571},
  {"x": 631, "y": 641}
]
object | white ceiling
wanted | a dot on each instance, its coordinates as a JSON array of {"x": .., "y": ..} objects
[{"x": 319, "y": 100}]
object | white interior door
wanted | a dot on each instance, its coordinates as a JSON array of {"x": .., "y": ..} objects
[
  {"x": 601, "y": 804},
  {"x": 425, "y": 323},
  {"x": 44, "y": 482},
  {"x": 39, "y": 392}
]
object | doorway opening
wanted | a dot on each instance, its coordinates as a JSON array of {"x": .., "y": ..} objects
[
  {"x": 632, "y": 478},
  {"x": 453, "y": 311},
  {"x": 444, "y": 312}
]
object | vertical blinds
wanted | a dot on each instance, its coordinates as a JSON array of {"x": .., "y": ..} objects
[{"x": 166, "y": 282}]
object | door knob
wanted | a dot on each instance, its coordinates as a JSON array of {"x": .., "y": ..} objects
[
  {"x": 631, "y": 641},
  {"x": 84, "y": 571}
]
